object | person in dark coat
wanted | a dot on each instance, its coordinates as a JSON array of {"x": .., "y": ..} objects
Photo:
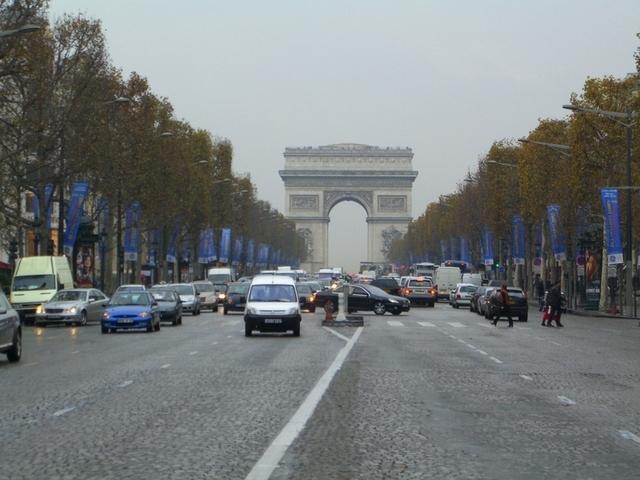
[
  {"x": 505, "y": 306},
  {"x": 554, "y": 300},
  {"x": 540, "y": 291}
]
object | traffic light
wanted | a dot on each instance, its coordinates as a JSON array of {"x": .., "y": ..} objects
[{"x": 13, "y": 251}]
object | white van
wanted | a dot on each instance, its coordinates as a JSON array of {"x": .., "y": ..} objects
[
  {"x": 446, "y": 279},
  {"x": 472, "y": 278},
  {"x": 272, "y": 305},
  {"x": 36, "y": 280}
]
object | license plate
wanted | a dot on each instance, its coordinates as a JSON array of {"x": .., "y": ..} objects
[
  {"x": 272, "y": 320},
  {"x": 128, "y": 320},
  {"x": 54, "y": 317}
]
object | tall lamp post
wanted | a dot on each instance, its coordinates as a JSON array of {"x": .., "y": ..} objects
[
  {"x": 626, "y": 119},
  {"x": 28, "y": 28}
]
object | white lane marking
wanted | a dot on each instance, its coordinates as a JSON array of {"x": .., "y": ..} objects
[
  {"x": 484, "y": 325},
  {"x": 627, "y": 435},
  {"x": 75, "y": 351},
  {"x": 265, "y": 466},
  {"x": 566, "y": 401},
  {"x": 456, "y": 324},
  {"x": 215, "y": 343},
  {"x": 482, "y": 352},
  {"x": 229, "y": 336},
  {"x": 195, "y": 352},
  {"x": 556, "y": 343},
  {"x": 339, "y": 335},
  {"x": 166, "y": 365},
  {"x": 524, "y": 328},
  {"x": 124, "y": 384},
  {"x": 462, "y": 341},
  {"x": 495, "y": 359},
  {"x": 63, "y": 411},
  {"x": 471, "y": 346},
  {"x": 526, "y": 377},
  {"x": 395, "y": 323},
  {"x": 426, "y": 324},
  {"x": 32, "y": 364}
]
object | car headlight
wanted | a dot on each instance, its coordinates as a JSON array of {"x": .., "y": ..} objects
[
  {"x": 292, "y": 311},
  {"x": 40, "y": 309},
  {"x": 222, "y": 296},
  {"x": 393, "y": 300},
  {"x": 251, "y": 311},
  {"x": 106, "y": 316},
  {"x": 144, "y": 314},
  {"x": 71, "y": 310}
]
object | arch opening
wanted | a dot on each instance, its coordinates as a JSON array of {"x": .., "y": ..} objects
[{"x": 348, "y": 235}]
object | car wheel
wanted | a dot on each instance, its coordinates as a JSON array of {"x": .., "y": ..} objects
[
  {"x": 225, "y": 311},
  {"x": 247, "y": 329},
  {"x": 150, "y": 327},
  {"x": 157, "y": 327},
  {"x": 455, "y": 305},
  {"x": 312, "y": 309},
  {"x": 379, "y": 309},
  {"x": 180, "y": 320},
  {"x": 296, "y": 330},
  {"x": 174, "y": 322},
  {"x": 104, "y": 329},
  {"x": 83, "y": 319},
  {"x": 524, "y": 318},
  {"x": 14, "y": 354},
  {"x": 397, "y": 311}
]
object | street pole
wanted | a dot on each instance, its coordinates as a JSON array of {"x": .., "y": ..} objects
[
  {"x": 629, "y": 232},
  {"x": 119, "y": 252}
]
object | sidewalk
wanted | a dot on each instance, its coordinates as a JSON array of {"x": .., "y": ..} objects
[{"x": 596, "y": 313}]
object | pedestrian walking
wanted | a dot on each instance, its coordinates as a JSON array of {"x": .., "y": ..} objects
[
  {"x": 540, "y": 291},
  {"x": 504, "y": 306},
  {"x": 554, "y": 303}
]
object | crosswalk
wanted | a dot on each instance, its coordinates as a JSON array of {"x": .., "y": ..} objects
[{"x": 398, "y": 323}]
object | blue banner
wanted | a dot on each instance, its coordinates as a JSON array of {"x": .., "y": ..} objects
[
  {"x": 443, "y": 250},
  {"x": 186, "y": 248},
  {"x": 250, "y": 253},
  {"x": 465, "y": 254},
  {"x": 132, "y": 232},
  {"x": 225, "y": 245},
  {"x": 48, "y": 201},
  {"x": 154, "y": 243},
  {"x": 172, "y": 249},
  {"x": 487, "y": 246},
  {"x": 207, "y": 247},
  {"x": 555, "y": 233},
  {"x": 79, "y": 192},
  {"x": 104, "y": 221},
  {"x": 453, "y": 252},
  {"x": 611, "y": 210},
  {"x": 518, "y": 240},
  {"x": 237, "y": 251}
]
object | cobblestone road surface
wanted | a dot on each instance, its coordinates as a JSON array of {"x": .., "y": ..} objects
[{"x": 436, "y": 393}]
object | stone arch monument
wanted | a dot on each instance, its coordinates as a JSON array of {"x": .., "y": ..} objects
[{"x": 318, "y": 178}]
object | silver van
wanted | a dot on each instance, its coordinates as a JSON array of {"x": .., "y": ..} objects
[{"x": 272, "y": 305}]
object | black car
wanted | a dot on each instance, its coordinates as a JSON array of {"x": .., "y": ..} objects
[
  {"x": 388, "y": 284},
  {"x": 473, "y": 305},
  {"x": 366, "y": 298},
  {"x": 235, "y": 297},
  {"x": 10, "y": 331},
  {"x": 169, "y": 305},
  {"x": 306, "y": 294},
  {"x": 519, "y": 306}
]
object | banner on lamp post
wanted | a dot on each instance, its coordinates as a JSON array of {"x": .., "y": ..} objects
[
  {"x": 237, "y": 251},
  {"x": 518, "y": 240},
  {"x": 611, "y": 210},
  {"x": 132, "y": 232},
  {"x": 487, "y": 246},
  {"x": 250, "y": 253},
  {"x": 225, "y": 245},
  {"x": 443, "y": 249},
  {"x": 555, "y": 233},
  {"x": 79, "y": 192}
]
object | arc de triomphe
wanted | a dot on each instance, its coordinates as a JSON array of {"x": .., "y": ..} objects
[{"x": 318, "y": 178}]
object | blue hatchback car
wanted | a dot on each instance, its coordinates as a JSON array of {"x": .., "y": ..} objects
[{"x": 131, "y": 310}]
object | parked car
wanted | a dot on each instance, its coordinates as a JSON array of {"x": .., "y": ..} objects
[
  {"x": 306, "y": 296},
  {"x": 473, "y": 303},
  {"x": 75, "y": 306},
  {"x": 483, "y": 301},
  {"x": 272, "y": 305},
  {"x": 388, "y": 284},
  {"x": 366, "y": 298},
  {"x": 419, "y": 290},
  {"x": 519, "y": 306},
  {"x": 235, "y": 297},
  {"x": 133, "y": 287},
  {"x": 10, "y": 330},
  {"x": 131, "y": 311},
  {"x": 207, "y": 293},
  {"x": 462, "y": 295},
  {"x": 169, "y": 304},
  {"x": 188, "y": 297}
]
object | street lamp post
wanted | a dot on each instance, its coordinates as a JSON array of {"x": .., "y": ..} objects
[
  {"x": 626, "y": 120},
  {"x": 28, "y": 28}
]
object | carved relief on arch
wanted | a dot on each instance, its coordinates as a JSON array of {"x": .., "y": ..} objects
[{"x": 333, "y": 197}]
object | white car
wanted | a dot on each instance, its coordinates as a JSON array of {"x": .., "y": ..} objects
[{"x": 461, "y": 296}]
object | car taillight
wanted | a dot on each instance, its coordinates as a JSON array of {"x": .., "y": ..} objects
[
  {"x": 458, "y": 296},
  {"x": 407, "y": 291}
]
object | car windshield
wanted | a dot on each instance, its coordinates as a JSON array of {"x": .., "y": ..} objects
[
  {"x": 241, "y": 289},
  {"x": 303, "y": 288},
  {"x": 69, "y": 296},
  {"x": 34, "y": 282},
  {"x": 184, "y": 289},
  {"x": 376, "y": 291},
  {"x": 272, "y": 293},
  {"x": 219, "y": 278},
  {"x": 468, "y": 289},
  {"x": 204, "y": 287},
  {"x": 129, "y": 298},
  {"x": 163, "y": 295},
  {"x": 419, "y": 283},
  {"x": 515, "y": 292}
]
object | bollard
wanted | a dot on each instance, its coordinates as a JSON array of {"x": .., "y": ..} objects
[{"x": 328, "y": 311}]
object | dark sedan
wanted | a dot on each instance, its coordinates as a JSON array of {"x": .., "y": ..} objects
[
  {"x": 519, "y": 307},
  {"x": 10, "y": 331},
  {"x": 366, "y": 298},
  {"x": 307, "y": 297},
  {"x": 483, "y": 300},
  {"x": 169, "y": 305},
  {"x": 388, "y": 284},
  {"x": 235, "y": 297}
]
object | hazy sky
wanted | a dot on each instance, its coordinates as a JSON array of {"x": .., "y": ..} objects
[{"x": 444, "y": 78}]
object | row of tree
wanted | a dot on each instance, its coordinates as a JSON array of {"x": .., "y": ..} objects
[
  {"x": 67, "y": 113},
  {"x": 589, "y": 152}
]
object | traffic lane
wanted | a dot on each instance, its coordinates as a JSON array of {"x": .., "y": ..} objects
[
  {"x": 208, "y": 408},
  {"x": 411, "y": 402},
  {"x": 594, "y": 369}
]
